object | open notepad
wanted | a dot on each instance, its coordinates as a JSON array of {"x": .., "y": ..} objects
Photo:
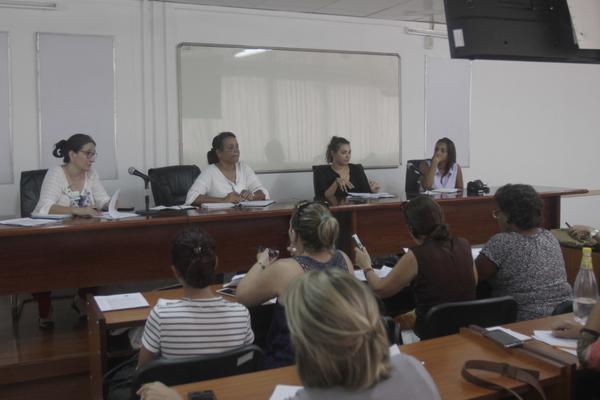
[
  {"x": 381, "y": 195},
  {"x": 121, "y": 301},
  {"x": 221, "y": 206}
]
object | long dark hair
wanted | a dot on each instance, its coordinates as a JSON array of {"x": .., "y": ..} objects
[
  {"x": 425, "y": 217},
  {"x": 217, "y": 144},
  {"x": 193, "y": 254},
  {"x": 451, "y": 151},
  {"x": 333, "y": 146},
  {"x": 74, "y": 143}
]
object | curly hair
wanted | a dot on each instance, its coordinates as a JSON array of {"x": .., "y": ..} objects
[{"x": 521, "y": 205}]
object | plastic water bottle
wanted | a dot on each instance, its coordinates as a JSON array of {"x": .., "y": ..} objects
[{"x": 586, "y": 288}]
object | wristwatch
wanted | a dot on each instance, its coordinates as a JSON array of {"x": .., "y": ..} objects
[{"x": 593, "y": 233}]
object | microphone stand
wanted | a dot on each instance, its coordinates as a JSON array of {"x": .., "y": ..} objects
[{"x": 147, "y": 210}]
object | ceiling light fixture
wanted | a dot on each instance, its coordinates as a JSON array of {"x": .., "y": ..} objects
[
  {"x": 35, "y": 5},
  {"x": 426, "y": 32}
]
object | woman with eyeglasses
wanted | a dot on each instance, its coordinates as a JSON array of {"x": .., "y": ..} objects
[
  {"x": 524, "y": 260},
  {"x": 72, "y": 188},
  {"x": 313, "y": 232},
  {"x": 342, "y": 350},
  {"x": 442, "y": 171},
  {"x": 226, "y": 179}
]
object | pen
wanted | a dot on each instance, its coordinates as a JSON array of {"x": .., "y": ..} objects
[{"x": 568, "y": 225}]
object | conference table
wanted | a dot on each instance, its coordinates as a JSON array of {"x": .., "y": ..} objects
[
  {"x": 443, "y": 358},
  {"x": 93, "y": 252}
]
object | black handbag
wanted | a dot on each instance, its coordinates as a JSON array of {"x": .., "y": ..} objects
[{"x": 477, "y": 187}]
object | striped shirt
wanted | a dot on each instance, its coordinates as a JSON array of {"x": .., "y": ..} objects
[{"x": 193, "y": 327}]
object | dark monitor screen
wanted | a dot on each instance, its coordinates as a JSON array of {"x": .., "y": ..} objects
[{"x": 528, "y": 30}]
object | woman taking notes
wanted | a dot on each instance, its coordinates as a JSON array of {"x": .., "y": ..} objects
[
  {"x": 226, "y": 179},
  {"x": 313, "y": 233},
  {"x": 442, "y": 171},
  {"x": 342, "y": 176},
  {"x": 341, "y": 345},
  {"x": 72, "y": 188}
]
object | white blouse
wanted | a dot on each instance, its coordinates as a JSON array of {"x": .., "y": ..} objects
[
  {"x": 56, "y": 191},
  {"x": 213, "y": 183}
]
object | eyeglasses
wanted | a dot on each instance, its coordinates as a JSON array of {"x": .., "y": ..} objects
[
  {"x": 495, "y": 213},
  {"x": 90, "y": 155}
]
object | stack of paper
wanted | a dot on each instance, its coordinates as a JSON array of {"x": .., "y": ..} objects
[
  {"x": 256, "y": 203},
  {"x": 568, "y": 345},
  {"x": 217, "y": 206},
  {"x": 112, "y": 212},
  {"x": 27, "y": 221},
  {"x": 370, "y": 195},
  {"x": 182, "y": 207}
]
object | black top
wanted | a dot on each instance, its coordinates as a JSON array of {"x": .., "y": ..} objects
[
  {"x": 324, "y": 175},
  {"x": 445, "y": 275}
]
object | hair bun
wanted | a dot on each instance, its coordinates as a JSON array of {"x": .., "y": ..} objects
[{"x": 59, "y": 149}]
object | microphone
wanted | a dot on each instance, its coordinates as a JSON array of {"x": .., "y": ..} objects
[{"x": 133, "y": 171}]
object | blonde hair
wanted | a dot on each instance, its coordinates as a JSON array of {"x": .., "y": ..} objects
[
  {"x": 315, "y": 225},
  {"x": 336, "y": 331}
]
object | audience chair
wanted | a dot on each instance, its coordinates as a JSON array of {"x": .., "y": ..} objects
[
  {"x": 171, "y": 184},
  {"x": 411, "y": 184},
  {"x": 31, "y": 185},
  {"x": 392, "y": 329},
  {"x": 448, "y": 318},
  {"x": 242, "y": 360},
  {"x": 563, "y": 308}
]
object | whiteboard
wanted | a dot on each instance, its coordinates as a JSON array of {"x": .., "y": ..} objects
[
  {"x": 285, "y": 104},
  {"x": 6, "y": 165},
  {"x": 448, "y": 105},
  {"x": 76, "y": 94}
]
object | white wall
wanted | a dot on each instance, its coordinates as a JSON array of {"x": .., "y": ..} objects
[{"x": 531, "y": 122}]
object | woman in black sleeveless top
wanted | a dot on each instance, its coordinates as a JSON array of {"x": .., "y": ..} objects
[
  {"x": 313, "y": 233},
  {"x": 440, "y": 267}
]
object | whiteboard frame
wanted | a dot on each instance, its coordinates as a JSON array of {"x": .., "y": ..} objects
[
  {"x": 196, "y": 44},
  {"x": 114, "y": 96},
  {"x": 11, "y": 144}
]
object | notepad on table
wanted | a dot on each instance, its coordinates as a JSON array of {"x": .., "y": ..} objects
[
  {"x": 27, "y": 222},
  {"x": 52, "y": 216},
  {"x": 256, "y": 203},
  {"x": 381, "y": 195},
  {"x": 181, "y": 207},
  {"x": 217, "y": 206},
  {"x": 382, "y": 273},
  {"x": 121, "y": 301}
]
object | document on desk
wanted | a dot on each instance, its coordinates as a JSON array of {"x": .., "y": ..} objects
[
  {"x": 177, "y": 208},
  {"x": 27, "y": 221},
  {"x": 112, "y": 212},
  {"x": 568, "y": 345},
  {"x": 121, "y": 301},
  {"x": 217, "y": 206},
  {"x": 382, "y": 273},
  {"x": 283, "y": 392},
  {"x": 381, "y": 195},
  {"x": 256, "y": 203},
  {"x": 442, "y": 190}
]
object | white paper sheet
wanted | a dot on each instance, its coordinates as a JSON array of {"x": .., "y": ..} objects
[
  {"x": 217, "y": 206},
  {"x": 283, "y": 392},
  {"x": 27, "y": 221},
  {"x": 256, "y": 203},
  {"x": 112, "y": 212},
  {"x": 121, "y": 301},
  {"x": 547, "y": 337},
  {"x": 382, "y": 273},
  {"x": 380, "y": 195},
  {"x": 182, "y": 207}
]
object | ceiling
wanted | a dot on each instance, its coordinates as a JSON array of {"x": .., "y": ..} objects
[{"x": 397, "y": 10}]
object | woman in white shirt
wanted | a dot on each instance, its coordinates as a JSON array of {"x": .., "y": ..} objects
[
  {"x": 72, "y": 188},
  {"x": 442, "y": 171},
  {"x": 226, "y": 179}
]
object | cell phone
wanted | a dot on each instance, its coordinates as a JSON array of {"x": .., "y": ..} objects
[
  {"x": 227, "y": 291},
  {"x": 202, "y": 395},
  {"x": 358, "y": 242},
  {"x": 273, "y": 253},
  {"x": 502, "y": 338}
]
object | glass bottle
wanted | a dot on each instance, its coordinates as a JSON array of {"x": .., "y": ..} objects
[{"x": 585, "y": 290}]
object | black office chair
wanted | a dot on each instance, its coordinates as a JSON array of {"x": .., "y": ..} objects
[
  {"x": 241, "y": 360},
  {"x": 171, "y": 184},
  {"x": 563, "y": 308},
  {"x": 448, "y": 318},
  {"x": 411, "y": 183},
  {"x": 31, "y": 185}
]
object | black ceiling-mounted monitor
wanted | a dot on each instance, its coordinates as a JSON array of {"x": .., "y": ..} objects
[{"x": 527, "y": 30}]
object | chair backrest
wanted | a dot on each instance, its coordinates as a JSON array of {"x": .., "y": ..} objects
[
  {"x": 31, "y": 185},
  {"x": 241, "y": 360},
  {"x": 392, "y": 328},
  {"x": 316, "y": 169},
  {"x": 171, "y": 184},
  {"x": 411, "y": 183},
  {"x": 447, "y": 318},
  {"x": 563, "y": 308}
]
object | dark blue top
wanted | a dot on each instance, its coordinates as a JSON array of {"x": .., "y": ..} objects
[{"x": 278, "y": 349}]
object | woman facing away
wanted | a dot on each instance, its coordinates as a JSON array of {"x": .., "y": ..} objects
[
  {"x": 524, "y": 260},
  {"x": 341, "y": 345},
  {"x": 313, "y": 232},
  {"x": 342, "y": 176},
  {"x": 440, "y": 267},
  {"x": 442, "y": 171},
  {"x": 71, "y": 188},
  {"x": 226, "y": 179}
]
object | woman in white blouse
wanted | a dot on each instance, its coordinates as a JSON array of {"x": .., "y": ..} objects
[
  {"x": 71, "y": 188},
  {"x": 226, "y": 179},
  {"x": 74, "y": 187}
]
